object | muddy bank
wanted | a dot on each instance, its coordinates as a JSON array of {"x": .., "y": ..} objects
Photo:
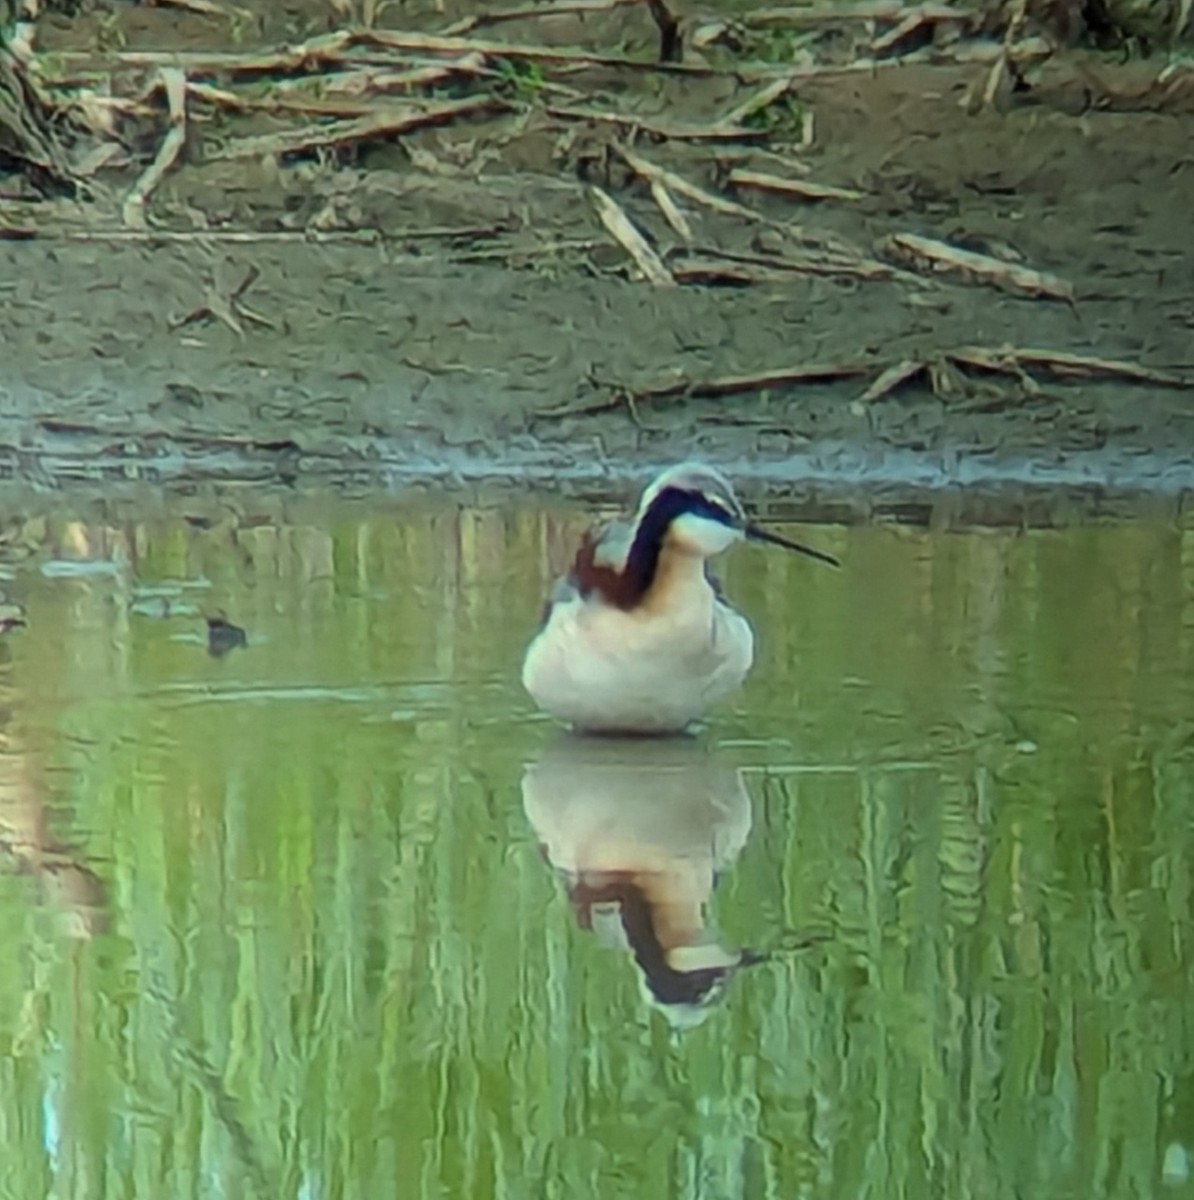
[{"x": 421, "y": 315}]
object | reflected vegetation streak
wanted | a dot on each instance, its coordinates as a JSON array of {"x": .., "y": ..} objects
[{"x": 302, "y": 896}]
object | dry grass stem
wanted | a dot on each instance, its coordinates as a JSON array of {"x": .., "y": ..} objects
[
  {"x": 382, "y": 123},
  {"x": 626, "y": 234},
  {"x": 334, "y": 49},
  {"x": 677, "y": 183},
  {"x": 174, "y": 83},
  {"x": 673, "y": 131},
  {"x": 671, "y": 211},
  {"x": 534, "y": 12},
  {"x": 825, "y": 262},
  {"x": 249, "y": 237},
  {"x": 841, "y": 14},
  {"x": 801, "y": 189},
  {"x": 1063, "y": 363},
  {"x": 915, "y": 251},
  {"x": 892, "y": 378},
  {"x": 205, "y": 8},
  {"x": 764, "y": 98}
]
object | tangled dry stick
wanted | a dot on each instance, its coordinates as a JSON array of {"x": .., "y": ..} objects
[
  {"x": 364, "y": 85},
  {"x": 889, "y": 377}
]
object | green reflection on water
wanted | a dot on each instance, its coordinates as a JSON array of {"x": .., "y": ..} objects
[{"x": 279, "y": 923}]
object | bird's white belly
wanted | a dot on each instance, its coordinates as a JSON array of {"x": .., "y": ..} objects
[{"x": 605, "y": 670}]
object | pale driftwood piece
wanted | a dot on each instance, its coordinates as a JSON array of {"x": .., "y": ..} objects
[
  {"x": 372, "y": 81},
  {"x": 174, "y": 83},
  {"x": 671, "y": 211},
  {"x": 651, "y": 172},
  {"x": 888, "y": 41},
  {"x": 685, "y": 388},
  {"x": 763, "y": 98},
  {"x": 345, "y": 94},
  {"x": 828, "y": 262},
  {"x": 1023, "y": 53},
  {"x": 713, "y": 269},
  {"x": 437, "y": 44},
  {"x": 387, "y": 122},
  {"x": 730, "y": 385},
  {"x": 914, "y": 250},
  {"x": 334, "y": 48},
  {"x": 281, "y": 104},
  {"x": 628, "y": 237},
  {"x": 748, "y": 154},
  {"x": 247, "y": 237},
  {"x": 1014, "y": 359},
  {"x": 801, "y": 189},
  {"x": 827, "y": 242},
  {"x": 891, "y": 378}
]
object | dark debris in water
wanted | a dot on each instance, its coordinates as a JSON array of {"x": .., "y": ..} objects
[
  {"x": 223, "y": 637},
  {"x": 12, "y": 616}
]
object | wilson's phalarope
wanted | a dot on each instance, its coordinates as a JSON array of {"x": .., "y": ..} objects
[
  {"x": 638, "y": 833},
  {"x": 638, "y": 638}
]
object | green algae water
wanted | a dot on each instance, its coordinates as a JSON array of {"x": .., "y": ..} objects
[{"x": 335, "y": 913}]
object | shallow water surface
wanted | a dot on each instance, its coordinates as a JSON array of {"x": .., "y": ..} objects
[{"x": 335, "y": 914}]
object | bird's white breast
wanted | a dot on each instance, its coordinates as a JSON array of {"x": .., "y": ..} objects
[{"x": 643, "y": 671}]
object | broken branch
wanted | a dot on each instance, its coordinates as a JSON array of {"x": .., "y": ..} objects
[
  {"x": 916, "y": 251},
  {"x": 174, "y": 82}
]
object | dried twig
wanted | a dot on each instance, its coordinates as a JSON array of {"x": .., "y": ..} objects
[
  {"x": 941, "y": 369},
  {"x": 382, "y": 123},
  {"x": 228, "y": 309},
  {"x": 669, "y": 26},
  {"x": 251, "y": 237},
  {"x": 768, "y": 268},
  {"x": 686, "y": 388},
  {"x": 802, "y": 189},
  {"x": 833, "y": 14},
  {"x": 533, "y": 11},
  {"x": 653, "y": 173},
  {"x": 764, "y": 98},
  {"x": 670, "y": 209},
  {"x": 916, "y": 251},
  {"x": 1063, "y": 363},
  {"x": 373, "y": 81},
  {"x": 893, "y": 377},
  {"x": 334, "y": 47},
  {"x": 359, "y": 86},
  {"x": 885, "y": 43},
  {"x": 174, "y": 83},
  {"x": 675, "y": 131},
  {"x": 206, "y": 8},
  {"x": 624, "y": 231}
]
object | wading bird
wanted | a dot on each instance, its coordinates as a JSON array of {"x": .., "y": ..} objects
[
  {"x": 639, "y": 834},
  {"x": 638, "y": 638}
]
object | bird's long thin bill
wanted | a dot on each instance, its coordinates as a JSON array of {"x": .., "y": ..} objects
[{"x": 755, "y": 534}]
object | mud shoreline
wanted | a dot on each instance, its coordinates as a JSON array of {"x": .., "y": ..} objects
[{"x": 438, "y": 315}]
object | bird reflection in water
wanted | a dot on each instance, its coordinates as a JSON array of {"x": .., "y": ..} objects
[
  {"x": 68, "y": 886},
  {"x": 639, "y": 833}
]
